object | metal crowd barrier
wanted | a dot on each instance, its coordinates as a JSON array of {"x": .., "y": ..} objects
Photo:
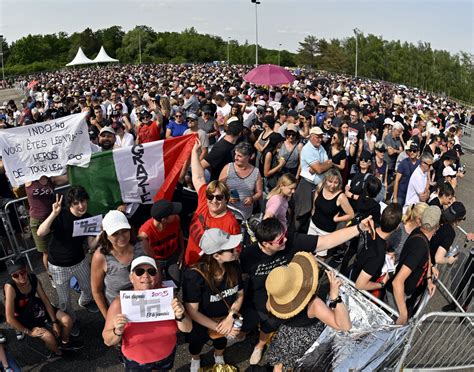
[
  {"x": 16, "y": 221},
  {"x": 467, "y": 139},
  {"x": 439, "y": 341}
]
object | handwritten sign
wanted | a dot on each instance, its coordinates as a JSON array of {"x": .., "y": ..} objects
[
  {"x": 91, "y": 226},
  {"x": 147, "y": 306},
  {"x": 45, "y": 149}
]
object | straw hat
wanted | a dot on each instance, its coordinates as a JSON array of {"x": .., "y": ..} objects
[{"x": 290, "y": 288}]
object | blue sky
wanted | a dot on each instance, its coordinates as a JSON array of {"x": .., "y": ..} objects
[{"x": 446, "y": 25}]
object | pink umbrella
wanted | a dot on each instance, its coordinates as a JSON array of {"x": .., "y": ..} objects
[
  {"x": 32, "y": 83},
  {"x": 269, "y": 75}
]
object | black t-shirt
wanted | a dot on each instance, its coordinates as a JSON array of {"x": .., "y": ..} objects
[
  {"x": 414, "y": 255},
  {"x": 436, "y": 203},
  {"x": 258, "y": 264},
  {"x": 338, "y": 158},
  {"x": 327, "y": 135},
  {"x": 220, "y": 155},
  {"x": 65, "y": 250},
  {"x": 196, "y": 290},
  {"x": 444, "y": 237},
  {"x": 359, "y": 128},
  {"x": 370, "y": 260}
]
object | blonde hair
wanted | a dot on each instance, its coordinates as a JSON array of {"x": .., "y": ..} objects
[
  {"x": 286, "y": 179},
  {"x": 413, "y": 212}
]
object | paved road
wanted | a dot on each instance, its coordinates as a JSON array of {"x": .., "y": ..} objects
[{"x": 96, "y": 357}]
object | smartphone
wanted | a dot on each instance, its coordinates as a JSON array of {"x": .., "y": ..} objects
[{"x": 234, "y": 194}]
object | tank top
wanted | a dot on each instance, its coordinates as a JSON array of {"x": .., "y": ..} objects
[
  {"x": 149, "y": 342},
  {"x": 245, "y": 187},
  {"x": 292, "y": 157},
  {"x": 324, "y": 212},
  {"x": 117, "y": 276},
  {"x": 41, "y": 198}
]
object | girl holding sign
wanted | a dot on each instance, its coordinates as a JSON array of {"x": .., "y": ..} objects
[{"x": 145, "y": 345}]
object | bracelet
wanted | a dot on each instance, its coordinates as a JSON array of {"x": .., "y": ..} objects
[
  {"x": 429, "y": 277},
  {"x": 333, "y": 303},
  {"x": 180, "y": 319},
  {"x": 116, "y": 334}
]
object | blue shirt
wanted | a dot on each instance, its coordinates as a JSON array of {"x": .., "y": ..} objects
[
  {"x": 406, "y": 169},
  {"x": 177, "y": 129},
  {"x": 310, "y": 155}
]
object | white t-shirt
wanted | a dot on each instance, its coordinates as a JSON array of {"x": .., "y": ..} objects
[
  {"x": 127, "y": 140},
  {"x": 225, "y": 110},
  {"x": 416, "y": 186}
]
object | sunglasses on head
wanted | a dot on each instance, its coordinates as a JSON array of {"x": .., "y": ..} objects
[
  {"x": 140, "y": 271},
  {"x": 18, "y": 274},
  {"x": 211, "y": 197},
  {"x": 281, "y": 239}
]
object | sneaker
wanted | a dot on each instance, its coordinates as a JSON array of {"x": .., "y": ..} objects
[
  {"x": 91, "y": 307},
  {"x": 71, "y": 345},
  {"x": 256, "y": 356},
  {"x": 450, "y": 307},
  {"x": 20, "y": 335},
  {"x": 75, "y": 331},
  {"x": 219, "y": 359},
  {"x": 195, "y": 365},
  {"x": 3, "y": 339}
]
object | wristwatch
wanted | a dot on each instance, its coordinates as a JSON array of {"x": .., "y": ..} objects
[{"x": 333, "y": 303}]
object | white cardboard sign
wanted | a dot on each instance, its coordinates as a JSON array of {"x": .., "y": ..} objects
[{"x": 147, "y": 306}]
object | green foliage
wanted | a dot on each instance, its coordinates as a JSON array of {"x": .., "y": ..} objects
[{"x": 403, "y": 63}]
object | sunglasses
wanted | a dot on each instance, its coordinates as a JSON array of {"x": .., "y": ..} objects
[
  {"x": 329, "y": 121},
  {"x": 290, "y": 134},
  {"x": 178, "y": 116},
  {"x": 281, "y": 239},
  {"x": 18, "y": 274},
  {"x": 428, "y": 164},
  {"x": 140, "y": 271},
  {"x": 218, "y": 197}
]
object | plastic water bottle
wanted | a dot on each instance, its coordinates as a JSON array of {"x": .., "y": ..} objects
[
  {"x": 238, "y": 322},
  {"x": 453, "y": 251}
]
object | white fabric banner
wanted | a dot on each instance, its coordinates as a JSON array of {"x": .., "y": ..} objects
[
  {"x": 140, "y": 171},
  {"x": 45, "y": 149}
]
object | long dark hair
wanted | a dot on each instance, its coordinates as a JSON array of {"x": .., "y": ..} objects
[
  {"x": 209, "y": 266},
  {"x": 105, "y": 246}
]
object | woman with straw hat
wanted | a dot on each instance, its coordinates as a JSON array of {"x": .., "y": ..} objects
[{"x": 292, "y": 297}]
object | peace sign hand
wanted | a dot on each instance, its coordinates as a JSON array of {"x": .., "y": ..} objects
[{"x": 56, "y": 207}]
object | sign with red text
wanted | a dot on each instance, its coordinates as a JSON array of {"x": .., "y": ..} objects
[
  {"x": 147, "y": 306},
  {"x": 45, "y": 149}
]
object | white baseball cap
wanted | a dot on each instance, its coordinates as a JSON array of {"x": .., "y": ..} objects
[
  {"x": 143, "y": 260},
  {"x": 114, "y": 221}
]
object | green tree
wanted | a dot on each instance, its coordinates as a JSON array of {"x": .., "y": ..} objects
[
  {"x": 308, "y": 50},
  {"x": 111, "y": 39}
]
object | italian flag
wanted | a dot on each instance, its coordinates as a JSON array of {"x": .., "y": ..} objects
[{"x": 136, "y": 174}]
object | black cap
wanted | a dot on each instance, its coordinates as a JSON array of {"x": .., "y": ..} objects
[
  {"x": 457, "y": 211},
  {"x": 164, "y": 208},
  {"x": 367, "y": 156},
  {"x": 451, "y": 154},
  {"x": 15, "y": 264}
]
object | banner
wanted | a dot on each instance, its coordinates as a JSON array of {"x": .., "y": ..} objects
[{"x": 45, "y": 149}]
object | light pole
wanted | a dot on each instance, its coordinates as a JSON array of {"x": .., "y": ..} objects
[
  {"x": 256, "y": 2},
  {"x": 228, "y": 51},
  {"x": 356, "y": 33},
  {"x": 279, "y": 49},
  {"x": 1, "y": 53},
  {"x": 140, "y": 46}
]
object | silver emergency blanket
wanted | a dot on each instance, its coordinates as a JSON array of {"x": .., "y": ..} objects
[{"x": 372, "y": 339}]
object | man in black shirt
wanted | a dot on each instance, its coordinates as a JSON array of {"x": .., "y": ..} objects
[
  {"x": 414, "y": 271},
  {"x": 221, "y": 153},
  {"x": 274, "y": 249},
  {"x": 66, "y": 257},
  {"x": 367, "y": 271}
]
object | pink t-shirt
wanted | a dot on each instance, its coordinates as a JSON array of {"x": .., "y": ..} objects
[{"x": 277, "y": 205}]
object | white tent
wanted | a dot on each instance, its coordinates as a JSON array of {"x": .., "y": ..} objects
[
  {"x": 80, "y": 59},
  {"x": 103, "y": 57}
]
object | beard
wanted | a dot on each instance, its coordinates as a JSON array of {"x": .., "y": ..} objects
[{"x": 106, "y": 145}]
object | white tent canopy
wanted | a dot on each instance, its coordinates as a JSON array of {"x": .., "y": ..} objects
[
  {"x": 103, "y": 57},
  {"x": 80, "y": 59}
]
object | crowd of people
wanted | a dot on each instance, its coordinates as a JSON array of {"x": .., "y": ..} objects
[{"x": 361, "y": 174}]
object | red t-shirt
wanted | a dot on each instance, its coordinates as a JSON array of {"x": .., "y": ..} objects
[
  {"x": 201, "y": 221},
  {"x": 148, "y": 342},
  {"x": 164, "y": 243},
  {"x": 148, "y": 132}
]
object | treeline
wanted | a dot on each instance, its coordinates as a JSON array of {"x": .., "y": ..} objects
[{"x": 393, "y": 61}]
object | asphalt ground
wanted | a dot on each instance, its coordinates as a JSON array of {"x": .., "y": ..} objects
[{"x": 95, "y": 356}]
